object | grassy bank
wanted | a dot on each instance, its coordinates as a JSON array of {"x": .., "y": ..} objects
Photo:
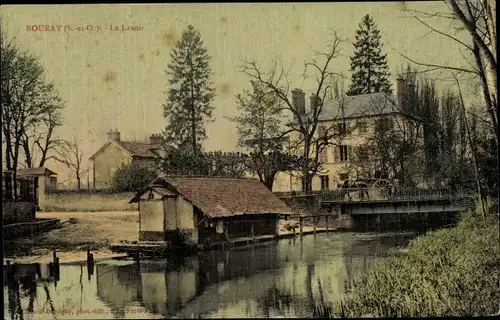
[{"x": 449, "y": 272}]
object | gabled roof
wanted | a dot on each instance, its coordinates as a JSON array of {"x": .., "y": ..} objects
[
  {"x": 30, "y": 172},
  {"x": 134, "y": 148},
  {"x": 225, "y": 197}
]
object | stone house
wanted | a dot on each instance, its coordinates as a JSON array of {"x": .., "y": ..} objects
[
  {"x": 116, "y": 153},
  {"x": 358, "y": 117},
  {"x": 207, "y": 209}
]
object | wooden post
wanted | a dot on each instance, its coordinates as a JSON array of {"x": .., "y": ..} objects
[
  {"x": 300, "y": 225},
  {"x": 314, "y": 224},
  {"x": 253, "y": 233},
  {"x": 326, "y": 222}
]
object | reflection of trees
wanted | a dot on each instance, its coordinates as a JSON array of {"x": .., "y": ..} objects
[
  {"x": 275, "y": 300},
  {"x": 309, "y": 277}
]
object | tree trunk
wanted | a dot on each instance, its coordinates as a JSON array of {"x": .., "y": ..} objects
[
  {"x": 78, "y": 180},
  {"x": 27, "y": 153}
]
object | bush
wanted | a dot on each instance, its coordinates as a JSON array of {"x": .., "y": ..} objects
[
  {"x": 449, "y": 272},
  {"x": 132, "y": 178}
]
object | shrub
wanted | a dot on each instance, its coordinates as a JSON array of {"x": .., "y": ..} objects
[
  {"x": 132, "y": 178},
  {"x": 449, "y": 272}
]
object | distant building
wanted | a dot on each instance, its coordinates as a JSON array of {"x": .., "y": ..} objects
[
  {"x": 359, "y": 117},
  {"x": 116, "y": 153},
  {"x": 207, "y": 210}
]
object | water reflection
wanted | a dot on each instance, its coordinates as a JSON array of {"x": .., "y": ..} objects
[{"x": 286, "y": 278}]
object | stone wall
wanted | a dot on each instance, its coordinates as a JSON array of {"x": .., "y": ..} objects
[{"x": 88, "y": 200}]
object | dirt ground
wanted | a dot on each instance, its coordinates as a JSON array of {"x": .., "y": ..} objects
[{"x": 79, "y": 230}]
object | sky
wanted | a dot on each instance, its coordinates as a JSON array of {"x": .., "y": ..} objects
[{"x": 116, "y": 79}]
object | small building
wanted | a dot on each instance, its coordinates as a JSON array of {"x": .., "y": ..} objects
[
  {"x": 32, "y": 184},
  {"x": 207, "y": 210},
  {"x": 117, "y": 152}
]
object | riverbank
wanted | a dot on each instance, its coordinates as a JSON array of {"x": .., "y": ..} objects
[
  {"x": 449, "y": 272},
  {"x": 78, "y": 231}
]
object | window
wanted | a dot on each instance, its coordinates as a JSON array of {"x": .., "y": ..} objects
[
  {"x": 321, "y": 131},
  {"x": 362, "y": 153},
  {"x": 323, "y": 155},
  {"x": 342, "y": 128},
  {"x": 325, "y": 182},
  {"x": 383, "y": 125},
  {"x": 341, "y": 153},
  {"x": 362, "y": 127}
]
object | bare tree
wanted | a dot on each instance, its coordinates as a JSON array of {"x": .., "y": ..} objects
[
  {"x": 26, "y": 102},
  {"x": 70, "y": 154},
  {"x": 308, "y": 142},
  {"x": 477, "y": 18},
  {"x": 39, "y": 143}
]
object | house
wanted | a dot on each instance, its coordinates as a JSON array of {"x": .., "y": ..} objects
[
  {"x": 116, "y": 153},
  {"x": 357, "y": 118},
  {"x": 207, "y": 209}
]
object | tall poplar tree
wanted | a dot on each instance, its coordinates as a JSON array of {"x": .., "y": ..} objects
[
  {"x": 370, "y": 72},
  {"x": 190, "y": 94}
]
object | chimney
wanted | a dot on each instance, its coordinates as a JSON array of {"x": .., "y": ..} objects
[
  {"x": 299, "y": 101},
  {"x": 314, "y": 101},
  {"x": 156, "y": 139},
  {"x": 401, "y": 91},
  {"x": 114, "y": 135}
]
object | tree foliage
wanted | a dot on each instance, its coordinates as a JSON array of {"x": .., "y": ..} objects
[
  {"x": 214, "y": 163},
  {"x": 259, "y": 126},
  {"x": 190, "y": 92},
  {"x": 28, "y": 105},
  {"x": 370, "y": 72},
  {"x": 132, "y": 178}
]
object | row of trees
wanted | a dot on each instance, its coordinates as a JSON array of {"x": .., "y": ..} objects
[
  {"x": 444, "y": 120},
  {"x": 31, "y": 112}
]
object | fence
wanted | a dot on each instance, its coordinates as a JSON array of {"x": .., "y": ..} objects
[{"x": 399, "y": 193}]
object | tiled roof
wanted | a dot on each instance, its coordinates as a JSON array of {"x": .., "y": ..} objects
[
  {"x": 141, "y": 149},
  {"x": 361, "y": 105},
  {"x": 224, "y": 197}
]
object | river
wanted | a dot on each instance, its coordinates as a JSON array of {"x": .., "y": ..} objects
[{"x": 285, "y": 278}]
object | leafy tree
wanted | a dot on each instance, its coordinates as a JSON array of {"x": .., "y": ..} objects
[
  {"x": 182, "y": 161},
  {"x": 368, "y": 64},
  {"x": 226, "y": 164},
  {"x": 258, "y": 127},
  {"x": 28, "y": 104},
  {"x": 132, "y": 178},
  {"x": 215, "y": 163},
  {"x": 190, "y": 94}
]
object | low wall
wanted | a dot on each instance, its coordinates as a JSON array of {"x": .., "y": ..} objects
[
  {"x": 16, "y": 212},
  {"x": 303, "y": 204},
  {"x": 16, "y": 230},
  {"x": 88, "y": 201}
]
